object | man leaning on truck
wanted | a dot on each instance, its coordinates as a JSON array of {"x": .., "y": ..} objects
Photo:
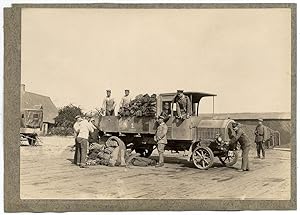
[
  {"x": 161, "y": 139},
  {"x": 183, "y": 105}
]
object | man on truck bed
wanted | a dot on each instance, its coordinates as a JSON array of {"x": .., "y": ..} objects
[
  {"x": 183, "y": 105},
  {"x": 109, "y": 104},
  {"x": 125, "y": 100}
]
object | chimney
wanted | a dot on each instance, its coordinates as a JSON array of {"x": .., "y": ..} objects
[{"x": 22, "y": 88}]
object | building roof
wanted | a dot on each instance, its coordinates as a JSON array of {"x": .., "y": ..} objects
[
  {"x": 252, "y": 116},
  {"x": 32, "y": 100}
]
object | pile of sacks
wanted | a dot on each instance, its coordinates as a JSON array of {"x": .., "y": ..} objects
[
  {"x": 142, "y": 105},
  {"x": 112, "y": 153}
]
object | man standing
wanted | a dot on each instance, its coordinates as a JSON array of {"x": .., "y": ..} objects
[
  {"x": 260, "y": 138},
  {"x": 242, "y": 138},
  {"x": 161, "y": 139},
  {"x": 125, "y": 100},
  {"x": 109, "y": 104},
  {"x": 95, "y": 135},
  {"x": 82, "y": 133},
  {"x": 183, "y": 105},
  {"x": 76, "y": 128}
]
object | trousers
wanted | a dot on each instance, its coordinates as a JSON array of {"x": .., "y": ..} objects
[
  {"x": 245, "y": 158},
  {"x": 161, "y": 149},
  {"x": 82, "y": 150},
  {"x": 76, "y": 154},
  {"x": 260, "y": 146}
]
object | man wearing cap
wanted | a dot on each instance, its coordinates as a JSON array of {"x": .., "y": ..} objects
[
  {"x": 82, "y": 134},
  {"x": 241, "y": 137},
  {"x": 260, "y": 138},
  {"x": 183, "y": 105},
  {"x": 161, "y": 139},
  {"x": 76, "y": 128},
  {"x": 125, "y": 100},
  {"x": 109, "y": 104},
  {"x": 166, "y": 112}
]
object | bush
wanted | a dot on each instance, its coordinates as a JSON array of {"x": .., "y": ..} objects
[
  {"x": 61, "y": 131},
  {"x": 66, "y": 116}
]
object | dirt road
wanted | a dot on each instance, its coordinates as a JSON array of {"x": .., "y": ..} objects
[{"x": 47, "y": 173}]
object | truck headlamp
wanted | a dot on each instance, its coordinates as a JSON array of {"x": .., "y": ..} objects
[{"x": 219, "y": 139}]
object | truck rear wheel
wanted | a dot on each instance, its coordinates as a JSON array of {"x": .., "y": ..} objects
[{"x": 203, "y": 157}]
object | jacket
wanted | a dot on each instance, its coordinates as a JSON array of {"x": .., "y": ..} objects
[
  {"x": 161, "y": 133},
  {"x": 183, "y": 105},
  {"x": 261, "y": 133},
  {"x": 240, "y": 137}
]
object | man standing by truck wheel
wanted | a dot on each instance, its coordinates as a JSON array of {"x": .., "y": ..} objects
[
  {"x": 242, "y": 138},
  {"x": 260, "y": 138},
  {"x": 161, "y": 139}
]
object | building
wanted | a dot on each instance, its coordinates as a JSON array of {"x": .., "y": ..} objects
[{"x": 31, "y": 100}]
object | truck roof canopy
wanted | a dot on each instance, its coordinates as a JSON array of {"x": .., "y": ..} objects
[{"x": 195, "y": 95}]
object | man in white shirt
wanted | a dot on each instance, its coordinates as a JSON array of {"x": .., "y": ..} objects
[
  {"x": 125, "y": 100},
  {"x": 82, "y": 134},
  {"x": 109, "y": 104}
]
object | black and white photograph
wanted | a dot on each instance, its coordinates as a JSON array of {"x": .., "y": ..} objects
[{"x": 156, "y": 103}]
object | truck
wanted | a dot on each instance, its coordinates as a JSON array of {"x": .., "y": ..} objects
[
  {"x": 202, "y": 137},
  {"x": 31, "y": 124}
]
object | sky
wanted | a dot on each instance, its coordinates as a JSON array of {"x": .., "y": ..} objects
[{"x": 242, "y": 55}]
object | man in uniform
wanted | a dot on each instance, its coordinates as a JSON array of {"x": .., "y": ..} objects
[
  {"x": 241, "y": 137},
  {"x": 260, "y": 138},
  {"x": 125, "y": 100},
  {"x": 161, "y": 139},
  {"x": 76, "y": 128},
  {"x": 109, "y": 104},
  {"x": 82, "y": 135},
  {"x": 183, "y": 105},
  {"x": 166, "y": 112}
]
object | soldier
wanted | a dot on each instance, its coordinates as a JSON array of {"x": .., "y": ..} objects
[
  {"x": 82, "y": 135},
  {"x": 161, "y": 139},
  {"x": 183, "y": 105},
  {"x": 260, "y": 138},
  {"x": 109, "y": 104},
  {"x": 166, "y": 112},
  {"x": 241, "y": 137},
  {"x": 76, "y": 128},
  {"x": 125, "y": 100}
]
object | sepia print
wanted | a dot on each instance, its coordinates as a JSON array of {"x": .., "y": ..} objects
[{"x": 161, "y": 107}]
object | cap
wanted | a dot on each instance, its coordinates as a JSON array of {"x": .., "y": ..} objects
[
  {"x": 108, "y": 90},
  {"x": 179, "y": 91},
  {"x": 78, "y": 116},
  {"x": 235, "y": 124},
  {"x": 127, "y": 90},
  {"x": 260, "y": 120},
  {"x": 166, "y": 103}
]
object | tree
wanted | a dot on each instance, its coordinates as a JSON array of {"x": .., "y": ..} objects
[{"x": 66, "y": 116}]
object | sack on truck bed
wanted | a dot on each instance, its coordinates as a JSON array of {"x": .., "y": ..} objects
[{"x": 142, "y": 105}]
